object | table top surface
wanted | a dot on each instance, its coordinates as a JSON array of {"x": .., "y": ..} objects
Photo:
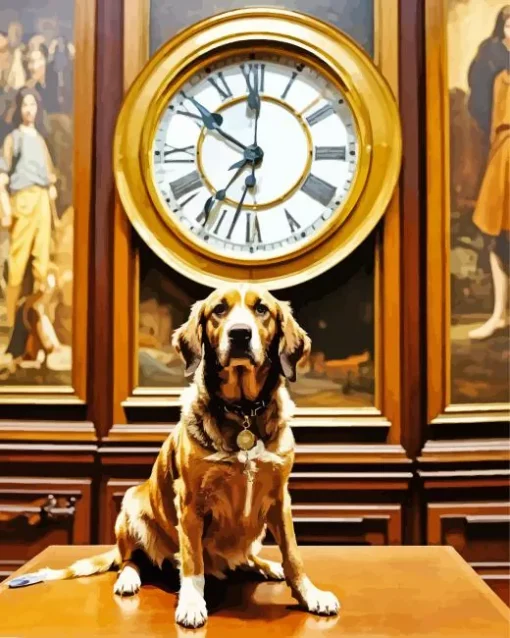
[{"x": 411, "y": 592}]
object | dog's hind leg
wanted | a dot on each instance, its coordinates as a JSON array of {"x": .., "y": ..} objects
[{"x": 128, "y": 581}]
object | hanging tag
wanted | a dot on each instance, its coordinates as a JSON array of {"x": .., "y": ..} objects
[{"x": 249, "y": 471}]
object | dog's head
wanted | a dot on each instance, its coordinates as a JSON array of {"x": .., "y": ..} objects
[{"x": 242, "y": 324}]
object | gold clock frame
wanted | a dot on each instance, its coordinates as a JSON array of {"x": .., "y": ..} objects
[{"x": 339, "y": 57}]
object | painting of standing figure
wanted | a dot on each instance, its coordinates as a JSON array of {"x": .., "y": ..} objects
[
  {"x": 36, "y": 211},
  {"x": 479, "y": 83}
]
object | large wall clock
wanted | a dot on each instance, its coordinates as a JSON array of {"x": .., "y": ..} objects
[{"x": 260, "y": 144}]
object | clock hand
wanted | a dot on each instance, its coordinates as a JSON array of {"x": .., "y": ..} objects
[
  {"x": 249, "y": 182},
  {"x": 253, "y": 91},
  {"x": 222, "y": 193},
  {"x": 213, "y": 121},
  {"x": 210, "y": 120},
  {"x": 251, "y": 153}
]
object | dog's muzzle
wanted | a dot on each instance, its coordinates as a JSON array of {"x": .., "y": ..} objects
[{"x": 239, "y": 337}]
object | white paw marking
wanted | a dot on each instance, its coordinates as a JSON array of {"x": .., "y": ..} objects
[
  {"x": 128, "y": 582},
  {"x": 324, "y": 603},
  {"x": 191, "y": 610},
  {"x": 275, "y": 570},
  {"x": 272, "y": 570}
]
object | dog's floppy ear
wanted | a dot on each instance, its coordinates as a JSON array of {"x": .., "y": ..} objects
[
  {"x": 187, "y": 339},
  {"x": 294, "y": 342}
]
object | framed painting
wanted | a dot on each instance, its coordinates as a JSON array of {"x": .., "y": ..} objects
[
  {"x": 468, "y": 230},
  {"x": 46, "y": 60},
  {"x": 351, "y": 373}
]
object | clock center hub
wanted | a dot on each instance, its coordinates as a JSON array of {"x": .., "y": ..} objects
[{"x": 281, "y": 154}]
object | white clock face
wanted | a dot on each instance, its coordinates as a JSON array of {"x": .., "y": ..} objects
[{"x": 254, "y": 155}]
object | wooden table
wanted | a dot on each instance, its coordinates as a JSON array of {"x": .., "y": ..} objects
[{"x": 408, "y": 592}]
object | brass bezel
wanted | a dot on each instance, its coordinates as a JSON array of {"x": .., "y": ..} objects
[{"x": 371, "y": 101}]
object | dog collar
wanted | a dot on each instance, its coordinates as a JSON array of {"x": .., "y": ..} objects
[{"x": 245, "y": 409}]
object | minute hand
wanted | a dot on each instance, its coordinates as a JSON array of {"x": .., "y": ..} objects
[
  {"x": 213, "y": 121},
  {"x": 253, "y": 91}
]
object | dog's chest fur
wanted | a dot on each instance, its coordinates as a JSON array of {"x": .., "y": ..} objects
[{"x": 221, "y": 499}]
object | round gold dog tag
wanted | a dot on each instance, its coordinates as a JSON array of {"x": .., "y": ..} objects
[{"x": 245, "y": 440}]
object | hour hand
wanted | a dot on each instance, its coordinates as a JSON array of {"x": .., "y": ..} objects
[
  {"x": 220, "y": 195},
  {"x": 211, "y": 120}
]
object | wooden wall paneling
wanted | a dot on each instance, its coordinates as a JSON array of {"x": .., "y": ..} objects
[
  {"x": 135, "y": 52},
  {"x": 469, "y": 509},
  {"x": 38, "y": 512},
  {"x": 112, "y": 498},
  {"x": 479, "y": 532},
  {"x": 411, "y": 232},
  {"x": 108, "y": 97},
  {"x": 388, "y": 267},
  {"x": 333, "y": 524},
  {"x": 412, "y": 219}
]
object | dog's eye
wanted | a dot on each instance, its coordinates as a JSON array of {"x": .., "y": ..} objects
[
  {"x": 261, "y": 309},
  {"x": 220, "y": 309}
]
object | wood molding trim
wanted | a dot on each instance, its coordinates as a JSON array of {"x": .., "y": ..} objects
[
  {"x": 464, "y": 451},
  {"x": 47, "y": 431}
]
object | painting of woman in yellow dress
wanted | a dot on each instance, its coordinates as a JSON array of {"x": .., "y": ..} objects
[
  {"x": 489, "y": 104},
  {"x": 478, "y": 76}
]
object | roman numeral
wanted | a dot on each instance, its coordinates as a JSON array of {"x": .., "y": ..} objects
[
  {"x": 188, "y": 199},
  {"x": 174, "y": 155},
  {"x": 294, "y": 225},
  {"x": 255, "y": 71},
  {"x": 234, "y": 222},
  {"x": 321, "y": 114},
  {"x": 220, "y": 221},
  {"x": 186, "y": 184},
  {"x": 193, "y": 116},
  {"x": 318, "y": 189},
  {"x": 252, "y": 230},
  {"x": 287, "y": 88},
  {"x": 196, "y": 118},
  {"x": 330, "y": 153},
  {"x": 224, "y": 89}
]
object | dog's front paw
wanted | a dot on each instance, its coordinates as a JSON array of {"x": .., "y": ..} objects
[
  {"x": 316, "y": 601},
  {"x": 191, "y": 612},
  {"x": 128, "y": 582}
]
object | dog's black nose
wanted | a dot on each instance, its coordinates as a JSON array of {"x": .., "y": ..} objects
[{"x": 240, "y": 334}]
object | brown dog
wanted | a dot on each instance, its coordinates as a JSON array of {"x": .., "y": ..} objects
[{"x": 222, "y": 474}]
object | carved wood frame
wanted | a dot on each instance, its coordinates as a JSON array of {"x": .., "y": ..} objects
[
  {"x": 440, "y": 411},
  {"x": 385, "y": 416},
  {"x": 83, "y": 123}
]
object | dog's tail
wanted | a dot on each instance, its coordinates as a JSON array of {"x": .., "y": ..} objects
[{"x": 86, "y": 566}]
